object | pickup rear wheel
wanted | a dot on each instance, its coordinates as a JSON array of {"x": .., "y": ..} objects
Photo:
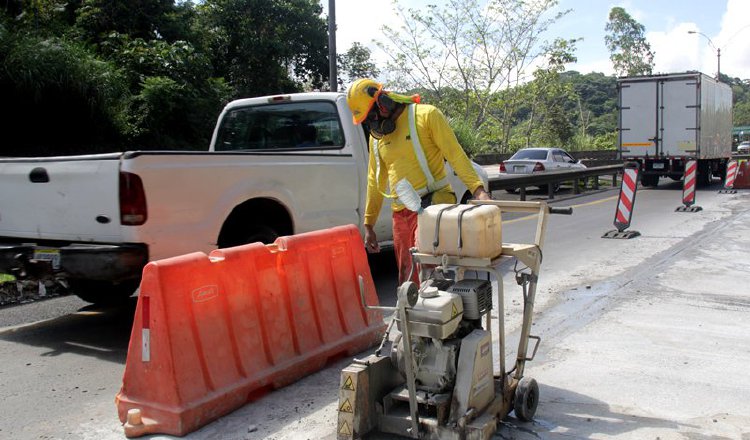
[
  {"x": 103, "y": 293},
  {"x": 250, "y": 234},
  {"x": 256, "y": 220}
]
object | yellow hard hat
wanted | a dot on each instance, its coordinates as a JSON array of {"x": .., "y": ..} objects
[{"x": 361, "y": 96}]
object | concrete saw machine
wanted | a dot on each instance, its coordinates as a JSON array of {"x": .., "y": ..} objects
[{"x": 441, "y": 373}]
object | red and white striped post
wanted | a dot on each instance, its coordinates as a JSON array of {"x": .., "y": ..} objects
[
  {"x": 731, "y": 175},
  {"x": 625, "y": 203},
  {"x": 688, "y": 188}
]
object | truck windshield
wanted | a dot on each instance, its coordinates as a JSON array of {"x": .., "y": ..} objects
[{"x": 291, "y": 126}]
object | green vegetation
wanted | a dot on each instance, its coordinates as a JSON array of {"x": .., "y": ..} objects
[
  {"x": 87, "y": 76},
  {"x": 5, "y": 278},
  {"x": 629, "y": 50}
]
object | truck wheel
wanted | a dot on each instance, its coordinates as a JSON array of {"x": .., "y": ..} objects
[
  {"x": 250, "y": 234},
  {"x": 103, "y": 293},
  {"x": 650, "y": 180},
  {"x": 526, "y": 399}
]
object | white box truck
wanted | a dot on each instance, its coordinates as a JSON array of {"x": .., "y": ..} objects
[{"x": 664, "y": 120}]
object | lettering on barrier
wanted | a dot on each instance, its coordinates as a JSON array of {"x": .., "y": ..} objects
[{"x": 205, "y": 293}]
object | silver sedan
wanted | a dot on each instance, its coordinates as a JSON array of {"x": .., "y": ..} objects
[{"x": 538, "y": 160}]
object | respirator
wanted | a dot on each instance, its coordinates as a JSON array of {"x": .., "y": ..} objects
[{"x": 379, "y": 125}]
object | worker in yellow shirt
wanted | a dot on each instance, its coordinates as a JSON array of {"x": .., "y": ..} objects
[{"x": 409, "y": 143}]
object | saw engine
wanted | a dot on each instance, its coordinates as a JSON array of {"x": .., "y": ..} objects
[
  {"x": 444, "y": 314},
  {"x": 451, "y": 354}
]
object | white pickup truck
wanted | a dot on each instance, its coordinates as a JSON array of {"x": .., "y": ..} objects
[{"x": 277, "y": 165}]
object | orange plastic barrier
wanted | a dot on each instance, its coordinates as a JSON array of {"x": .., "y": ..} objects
[
  {"x": 209, "y": 331},
  {"x": 742, "y": 181}
]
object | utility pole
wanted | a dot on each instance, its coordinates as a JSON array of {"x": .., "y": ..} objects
[
  {"x": 716, "y": 49},
  {"x": 718, "y": 63},
  {"x": 332, "y": 74}
]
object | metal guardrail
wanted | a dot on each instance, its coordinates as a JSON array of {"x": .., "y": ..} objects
[{"x": 551, "y": 178}]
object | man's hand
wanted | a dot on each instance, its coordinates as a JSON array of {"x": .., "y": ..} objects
[
  {"x": 481, "y": 194},
  {"x": 371, "y": 240}
]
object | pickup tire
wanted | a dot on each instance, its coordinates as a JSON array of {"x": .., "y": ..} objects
[
  {"x": 103, "y": 293},
  {"x": 251, "y": 234},
  {"x": 255, "y": 220}
]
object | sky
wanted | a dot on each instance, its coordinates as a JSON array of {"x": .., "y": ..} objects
[{"x": 726, "y": 23}]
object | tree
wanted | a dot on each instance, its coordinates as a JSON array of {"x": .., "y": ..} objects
[
  {"x": 548, "y": 120},
  {"x": 266, "y": 46},
  {"x": 136, "y": 18},
  {"x": 463, "y": 52},
  {"x": 630, "y": 53},
  {"x": 64, "y": 98},
  {"x": 356, "y": 63}
]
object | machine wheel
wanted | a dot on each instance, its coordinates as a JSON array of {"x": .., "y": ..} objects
[
  {"x": 103, "y": 293},
  {"x": 527, "y": 398}
]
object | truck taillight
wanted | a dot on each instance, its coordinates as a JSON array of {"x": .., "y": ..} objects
[
  {"x": 538, "y": 167},
  {"x": 502, "y": 168},
  {"x": 133, "y": 210}
]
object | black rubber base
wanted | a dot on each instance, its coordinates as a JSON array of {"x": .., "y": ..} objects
[
  {"x": 621, "y": 234},
  {"x": 684, "y": 208}
]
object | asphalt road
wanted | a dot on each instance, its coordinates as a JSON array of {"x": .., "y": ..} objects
[{"x": 642, "y": 338}]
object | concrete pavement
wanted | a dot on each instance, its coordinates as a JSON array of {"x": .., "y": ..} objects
[{"x": 661, "y": 351}]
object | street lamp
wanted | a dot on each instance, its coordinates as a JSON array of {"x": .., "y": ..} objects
[{"x": 716, "y": 49}]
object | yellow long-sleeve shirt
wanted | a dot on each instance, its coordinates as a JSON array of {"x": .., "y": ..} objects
[{"x": 398, "y": 160}]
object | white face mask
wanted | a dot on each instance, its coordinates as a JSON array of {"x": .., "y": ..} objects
[{"x": 408, "y": 196}]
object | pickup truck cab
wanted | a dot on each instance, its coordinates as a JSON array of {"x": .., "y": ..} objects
[{"x": 277, "y": 165}]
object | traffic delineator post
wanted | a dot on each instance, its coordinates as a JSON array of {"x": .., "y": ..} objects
[
  {"x": 729, "y": 180},
  {"x": 211, "y": 331},
  {"x": 625, "y": 203},
  {"x": 688, "y": 188}
]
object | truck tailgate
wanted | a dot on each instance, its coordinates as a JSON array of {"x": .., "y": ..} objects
[{"x": 71, "y": 199}]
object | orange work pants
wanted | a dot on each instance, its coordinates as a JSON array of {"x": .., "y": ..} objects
[{"x": 404, "y": 238}]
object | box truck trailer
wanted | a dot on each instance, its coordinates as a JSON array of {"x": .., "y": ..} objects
[{"x": 666, "y": 120}]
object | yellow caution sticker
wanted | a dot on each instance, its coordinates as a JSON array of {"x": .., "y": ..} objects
[
  {"x": 345, "y": 429},
  {"x": 346, "y": 407},
  {"x": 454, "y": 312},
  {"x": 348, "y": 384}
]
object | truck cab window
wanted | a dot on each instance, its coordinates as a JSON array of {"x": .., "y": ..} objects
[{"x": 284, "y": 126}]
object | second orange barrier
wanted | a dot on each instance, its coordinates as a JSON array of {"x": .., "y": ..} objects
[{"x": 210, "y": 331}]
